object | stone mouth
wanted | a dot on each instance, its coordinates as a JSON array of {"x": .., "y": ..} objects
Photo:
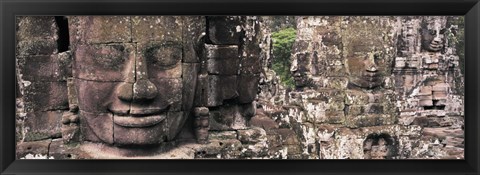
[
  {"x": 139, "y": 118},
  {"x": 435, "y": 46},
  {"x": 133, "y": 121}
]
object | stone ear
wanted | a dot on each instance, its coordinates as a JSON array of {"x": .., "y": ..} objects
[{"x": 198, "y": 44}]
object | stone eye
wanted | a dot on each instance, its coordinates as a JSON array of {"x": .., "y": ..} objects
[
  {"x": 443, "y": 31},
  {"x": 433, "y": 32},
  {"x": 111, "y": 56},
  {"x": 163, "y": 56}
]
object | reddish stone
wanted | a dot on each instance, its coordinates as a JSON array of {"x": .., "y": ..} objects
[
  {"x": 99, "y": 29},
  {"x": 45, "y": 68},
  {"x": 157, "y": 28},
  {"x": 155, "y": 59},
  {"x": 43, "y": 96},
  {"x": 104, "y": 62},
  {"x": 264, "y": 122},
  {"x": 42, "y": 125},
  {"x": 97, "y": 127},
  {"x": 95, "y": 96},
  {"x": 37, "y": 148}
]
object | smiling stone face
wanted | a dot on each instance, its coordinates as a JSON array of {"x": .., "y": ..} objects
[
  {"x": 130, "y": 82},
  {"x": 432, "y": 32},
  {"x": 366, "y": 64}
]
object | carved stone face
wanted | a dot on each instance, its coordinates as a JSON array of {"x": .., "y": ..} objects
[
  {"x": 366, "y": 66},
  {"x": 380, "y": 146},
  {"x": 133, "y": 93},
  {"x": 432, "y": 37},
  {"x": 299, "y": 69}
]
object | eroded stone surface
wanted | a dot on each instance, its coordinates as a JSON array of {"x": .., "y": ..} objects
[{"x": 152, "y": 86}]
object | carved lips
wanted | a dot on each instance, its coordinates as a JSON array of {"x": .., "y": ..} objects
[
  {"x": 139, "y": 118},
  {"x": 138, "y": 122}
]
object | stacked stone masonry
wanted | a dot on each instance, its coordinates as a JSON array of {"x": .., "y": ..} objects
[{"x": 365, "y": 88}]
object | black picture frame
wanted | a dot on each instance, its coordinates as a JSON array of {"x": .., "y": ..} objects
[{"x": 9, "y": 9}]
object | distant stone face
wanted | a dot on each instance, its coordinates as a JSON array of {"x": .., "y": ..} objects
[
  {"x": 370, "y": 85},
  {"x": 433, "y": 34}
]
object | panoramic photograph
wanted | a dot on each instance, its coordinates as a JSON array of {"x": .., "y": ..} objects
[{"x": 240, "y": 87}]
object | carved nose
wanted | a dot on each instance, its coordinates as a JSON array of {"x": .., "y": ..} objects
[
  {"x": 437, "y": 39},
  {"x": 137, "y": 87},
  {"x": 143, "y": 89}
]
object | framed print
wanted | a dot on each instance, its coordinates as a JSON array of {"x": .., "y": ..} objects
[{"x": 239, "y": 87}]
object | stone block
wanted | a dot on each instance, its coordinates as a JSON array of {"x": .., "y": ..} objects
[
  {"x": 426, "y": 89},
  {"x": 400, "y": 62},
  {"x": 194, "y": 29},
  {"x": 159, "y": 59},
  {"x": 439, "y": 95},
  {"x": 45, "y": 68},
  {"x": 175, "y": 122},
  {"x": 30, "y": 27},
  {"x": 247, "y": 87},
  {"x": 90, "y": 101},
  {"x": 33, "y": 150},
  {"x": 222, "y": 60},
  {"x": 72, "y": 95},
  {"x": 100, "y": 29},
  {"x": 189, "y": 80},
  {"x": 354, "y": 110},
  {"x": 440, "y": 102},
  {"x": 36, "y": 46},
  {"x": 97, "y": 127},
  {"x": 264, "y": 122},
  {"x": 440, "y": 87},
  {"x": 216, "y": 88},
  {"x": 59, "y": 150},
  {"x": 43, "y": 125},
  {"x": 353, "y": 97},
  {"x": 157, "y": 28},
  {"x": 251, "y": 62},
  {"x": 43, "y": 96},
  {"x": 225, "y": 30},
  {"x": 426, "y": 102},
  {"x": 224, "y": 149},
  {"x": 222, "y": 135},
  {"x": 104, "y": 62},
  {"x": 253, "y": 135},
  {"x": 369, "y": 120},
  {"x": 227, "y": 117},
  {"x": 334, "y": 117}
]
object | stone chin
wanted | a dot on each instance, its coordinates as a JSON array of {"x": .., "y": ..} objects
[
  {"x": 132, "y": 131},
  {"x": 364, "y": 82},
  {"x": 433, "y": 48}
]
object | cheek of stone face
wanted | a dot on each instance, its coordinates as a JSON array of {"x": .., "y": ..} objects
[
  {"x": 355, "y": 66},
  {"x": 95, "y": 96},
  {"x": 169, "y": 94},
  {"x": 140, "y": 136},
  {"x": 97, "y": 127},
  {"x": 162, "y": 132}
]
